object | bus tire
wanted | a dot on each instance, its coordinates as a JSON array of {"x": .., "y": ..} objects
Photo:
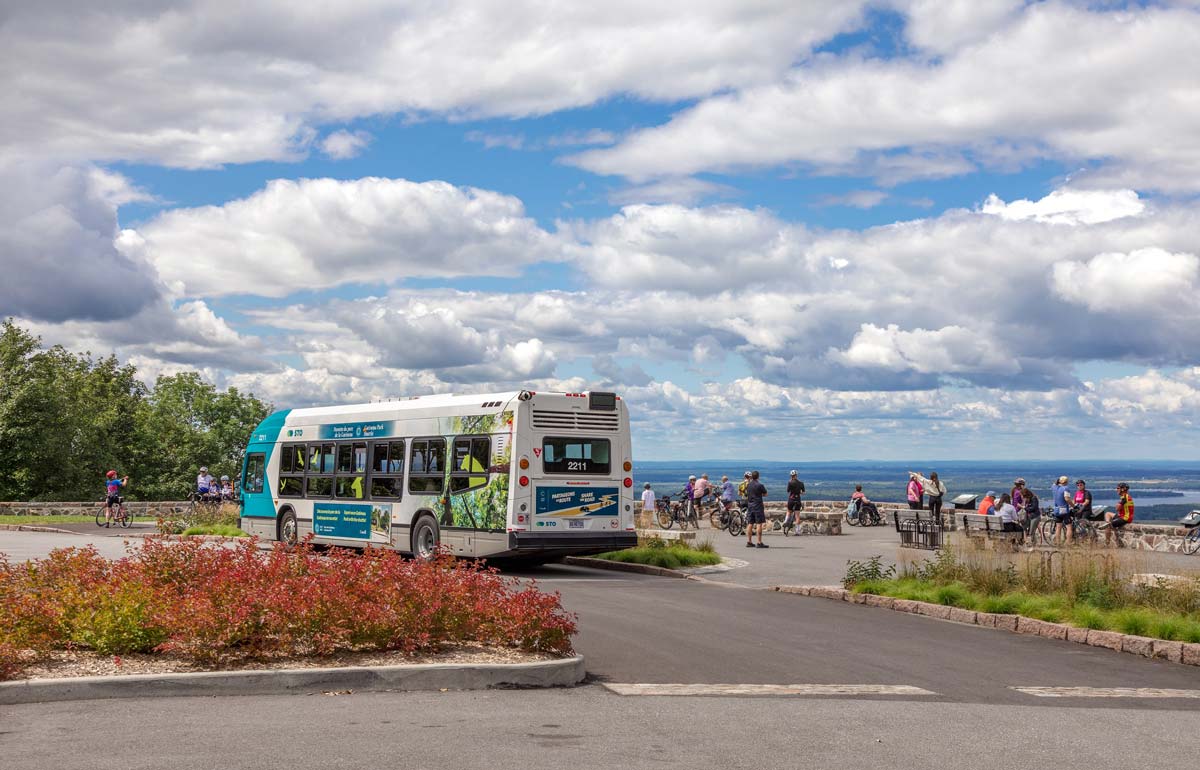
[
  {"x": 426, "y": 539},
  {"x": 289, "y": 530}
]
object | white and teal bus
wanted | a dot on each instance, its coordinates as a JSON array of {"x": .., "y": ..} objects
[{"x": 520, "y": 475}]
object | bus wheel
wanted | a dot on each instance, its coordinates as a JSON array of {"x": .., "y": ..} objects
[
  {"x": 289, "y": 533},
  {"x": 425, "y": 539}
]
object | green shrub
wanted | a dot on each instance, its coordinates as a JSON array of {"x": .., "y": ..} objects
[
  {"x": 871, "y": 569},
  {"x": 674, "y": 556},
  {"x": 1167, "y": 627},
  {"x": 1006, "y": 604},
  {"x": 117, "y": 622},
  {"x": 220, "y": 530}
]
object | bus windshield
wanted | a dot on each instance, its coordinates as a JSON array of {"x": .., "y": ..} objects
[{"x": 576, "y": 455}]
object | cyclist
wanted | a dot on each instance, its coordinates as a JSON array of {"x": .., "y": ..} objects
[
  {"x": 1062, "y": 507},
  {"x": 1123, "y": 514},
  {"x": 688, "y": 490},
  {"x": 206, "y": 485},
  {"x": 1082, "y": 509},
  {"x": 700, "y": 491},
  {"x": 226, "y": 488},
  {"x": 112, "y": 494},
  {"x": 728, "y": 493},
  {"x": 795, "y": 501},
  {"x": 744, "y": 484}
]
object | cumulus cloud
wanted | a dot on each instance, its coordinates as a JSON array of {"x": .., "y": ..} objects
[
  {"x": 1055, "y": 80},
  {"x": 316, "y": 233},
  {"x": 1143, "y": 282},
  {"x": 56, "y": 237},
  {"x": 1069, "y": 207},
  {"x": 247, "y": 82},
  {"x": 343, "y": 144}
]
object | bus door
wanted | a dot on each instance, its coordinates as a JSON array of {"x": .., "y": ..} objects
[{"x": 469, "y": 499}]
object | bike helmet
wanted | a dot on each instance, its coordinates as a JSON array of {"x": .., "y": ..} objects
[
  {"x": 794, "y": 473},
  {"x": 691, "y": 478},
  {"x": 746, "y": 474},
  {"x": 1123, "y": 487},
  {"x": 646, "y": 485},
  {"x": 204, "y": 469},
  {"x": 224, "y": 478},
  {"x": 1018, "y": 482},
  {"x": 111, "y": 474}
]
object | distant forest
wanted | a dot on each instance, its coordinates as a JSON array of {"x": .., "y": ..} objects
[{"x": 67, "y": 418}]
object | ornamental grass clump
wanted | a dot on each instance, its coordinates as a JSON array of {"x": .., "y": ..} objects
[{"x": 211, "y": 603}]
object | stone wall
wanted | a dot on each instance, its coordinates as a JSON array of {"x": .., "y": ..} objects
[{"x": 162, "y": 508}]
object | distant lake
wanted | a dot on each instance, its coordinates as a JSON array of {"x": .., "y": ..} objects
[{"x": 1161, "y": 490}]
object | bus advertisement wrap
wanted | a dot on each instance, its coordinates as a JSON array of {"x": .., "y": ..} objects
[
  {"x": 573, "y": 501},
  {"x": 353, "y": 521}
]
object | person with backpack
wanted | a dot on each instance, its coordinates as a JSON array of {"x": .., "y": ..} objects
[{"x": 916, "y": 492}]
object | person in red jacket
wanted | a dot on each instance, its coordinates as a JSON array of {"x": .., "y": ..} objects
[{"x": 1122, "y": 516}]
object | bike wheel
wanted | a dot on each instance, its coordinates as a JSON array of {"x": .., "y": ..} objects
[
  {"x": 714, "y": 517},
  {"x": 100, "y": 516},
  {"x": 664, "y": 519},
  {"x": 126, "y": 518},
  {"x": 1191, "y": 543},
  {"x": 737, "y": 524}
]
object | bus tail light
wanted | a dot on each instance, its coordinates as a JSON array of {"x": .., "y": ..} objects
[
  {"x": 524, "y": 481},
  {"x": 628, "y": 482},
  {"x": 524, "y": 463},
  {"x": 628, "y": 466}
]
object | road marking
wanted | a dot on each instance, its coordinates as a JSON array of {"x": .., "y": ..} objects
[
  {"x": 765, "y": 689},
  {"x": 1106, "y": 692}
]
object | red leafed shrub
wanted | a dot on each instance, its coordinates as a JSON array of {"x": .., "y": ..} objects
[{"x": 214, "y": 602}]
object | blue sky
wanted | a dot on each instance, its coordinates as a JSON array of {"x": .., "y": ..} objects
[{"x": 865, "y": 229}]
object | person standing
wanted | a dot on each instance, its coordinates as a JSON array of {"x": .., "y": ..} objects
[
  {"x": 700, "y": 491},
  {"x": 795, "y": 499},
  {"x": 1031, "y": 510},
  {"x": 936, "y": 490},
  {"x": 687, "y": 496},
  {"x": 916, "y": 492},
  {"x": 1062, "y": 507},
  {"x": 756, "y": 513},
  {"x": 1018, "y": 494},
  {"x": 648, "y": 503},
  {"x": 112, "y": 494}
]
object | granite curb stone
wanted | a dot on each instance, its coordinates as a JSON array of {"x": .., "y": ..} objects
[
  {"x": 1144, "y": 646},
  {"x": 565, "y": 672}
]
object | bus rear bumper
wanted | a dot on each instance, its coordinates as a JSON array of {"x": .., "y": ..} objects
[{"x": 568, "y": 543}]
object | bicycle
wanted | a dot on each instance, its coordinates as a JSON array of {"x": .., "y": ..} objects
[
  {"x": 1083, "y": 530},
  {"x": 119, "y": 516},
  {"x": 668, "y": 512},
  {"x": 728, "y": 517},
  {"x": 203, "y": 502},
  {"x": 1191, "y": 538}
]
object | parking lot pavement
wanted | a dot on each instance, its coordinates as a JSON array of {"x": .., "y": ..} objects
[{"x": 21, "y": 546}]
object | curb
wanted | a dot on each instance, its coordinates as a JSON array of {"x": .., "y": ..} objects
[
  {"x": 35, "y": 528},
  {"x": 1187, "y": 653},
  {"x": 620, "y": 566},
  {"x": 566, "y": 672}
]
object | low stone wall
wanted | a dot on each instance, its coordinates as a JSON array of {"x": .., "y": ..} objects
[
  {"x": 1163, "y": 538},
  {"x": 154, "y": 509}
]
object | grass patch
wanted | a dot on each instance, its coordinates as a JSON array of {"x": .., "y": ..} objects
[
  {"x": 1082, "y": 589},
  {"x": 673, "y": 554},
  {"x": 220, "y": 530},
  {"x": 51, "y": 520}
]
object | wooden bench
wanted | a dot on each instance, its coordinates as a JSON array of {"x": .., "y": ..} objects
[
  {"x": 918, "y": 529},
  {"x": 987, "y": 528}
]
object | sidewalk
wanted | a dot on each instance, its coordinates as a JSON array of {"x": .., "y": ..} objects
[{"x": 816, "y": 560}]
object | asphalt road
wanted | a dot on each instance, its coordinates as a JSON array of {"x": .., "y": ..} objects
[{"x": 638, "y": 630}]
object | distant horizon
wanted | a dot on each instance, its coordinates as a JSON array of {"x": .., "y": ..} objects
[{"x": 1195, "y": 462}]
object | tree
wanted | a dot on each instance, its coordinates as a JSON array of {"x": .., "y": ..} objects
[{"x": 66, "y": 418}]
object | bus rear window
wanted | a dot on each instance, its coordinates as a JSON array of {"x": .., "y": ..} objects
[{"x": 576, "y": 455}]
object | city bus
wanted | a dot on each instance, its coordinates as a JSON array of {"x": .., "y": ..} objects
[{"x": 523, "y": 475}]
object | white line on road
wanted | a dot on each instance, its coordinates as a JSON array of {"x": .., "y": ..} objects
[
  {"x": 766, "y": 689},
  {"x": 1106, "y": 692}
]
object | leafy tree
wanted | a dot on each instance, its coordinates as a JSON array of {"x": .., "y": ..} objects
[{"x": 66, "y": 418}]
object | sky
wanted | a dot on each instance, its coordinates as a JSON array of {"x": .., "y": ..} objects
[{"x": 780, "y": 229}]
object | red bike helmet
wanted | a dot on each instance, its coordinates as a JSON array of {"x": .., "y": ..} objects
[{"x": 111, "y": 474}]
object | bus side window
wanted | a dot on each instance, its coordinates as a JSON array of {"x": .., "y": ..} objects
[{"x": 425, "y": 466}]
